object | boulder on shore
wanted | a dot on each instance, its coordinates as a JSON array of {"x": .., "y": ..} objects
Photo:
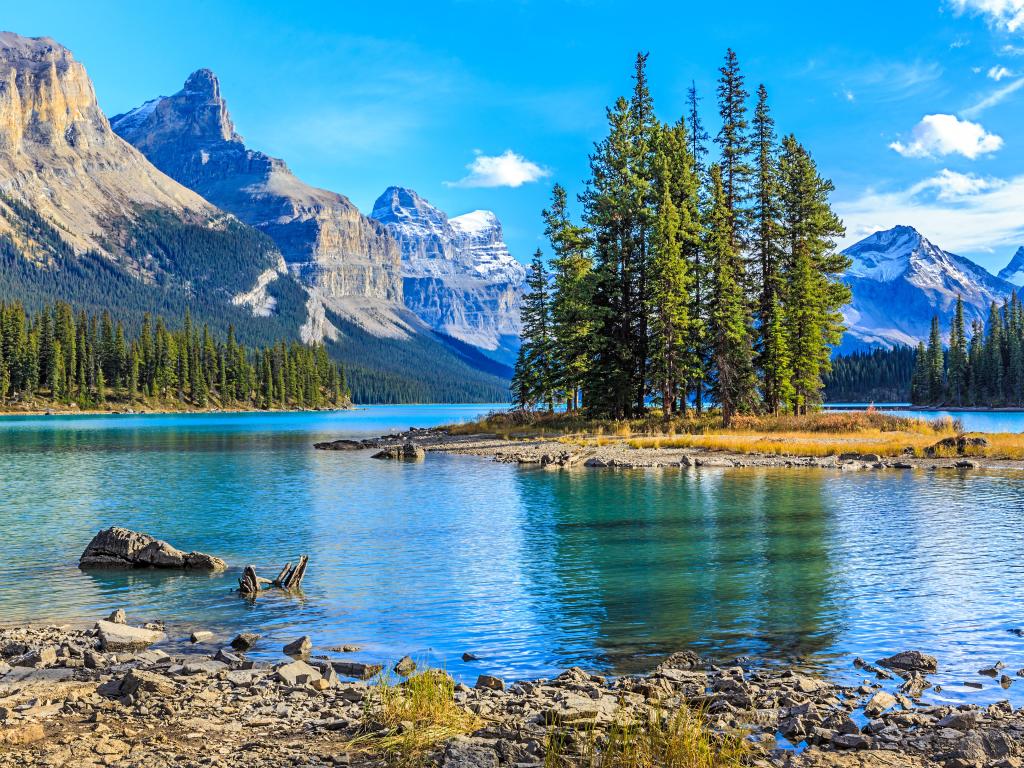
[
  {"x": 911, "y": 661},
  {"x": 121, "y": 637},
  {"x": 123, "y": 548},
  {"x": 340, "y": 445},
  {"x": 407, "y": 451}
]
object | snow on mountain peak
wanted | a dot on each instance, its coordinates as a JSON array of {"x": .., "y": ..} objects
[
  {"x": 475, "y": 222},
  {"x": 1014, "y": 271}
]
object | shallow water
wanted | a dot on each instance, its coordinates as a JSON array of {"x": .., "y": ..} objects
[{"x": 532, "y": 570}]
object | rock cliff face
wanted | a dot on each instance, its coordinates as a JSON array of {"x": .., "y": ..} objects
[
  {"x": 458, "y": 274},
  {"x": 60, "y": 158},
  {"x": 342, "y": 257}
]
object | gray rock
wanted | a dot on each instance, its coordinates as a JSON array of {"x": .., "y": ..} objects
[
  {"x": 121, "y": 637},
  {"x": 300, "y": 647},
  {"x": 406, "y": 451},
  {"x": 201, "y": 636},
  {"x": 488, "y": 682},
  {"x": 405, "y": 666},
  {"x": 118, "y": 617},
  {"x": 880, "y": 702},
  {"x": 356, "y": 669},
  {"x": 139, "y": 680},
  {"x": 244, "y": 641},
  {"x": 122, "y": 548},
  {"x": 912, "y": 661},
  {"x": 297, "y": 673},
  {"x": 466, "y": 752},
  {"x": 340, "y": 445}
]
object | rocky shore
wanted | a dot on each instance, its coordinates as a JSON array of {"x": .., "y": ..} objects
[
  {"x": 83, "y": 697},
  {"x": 617, "y": 453}
]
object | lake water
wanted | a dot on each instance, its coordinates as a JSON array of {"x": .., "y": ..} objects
[{"x": 532, "y": 570}]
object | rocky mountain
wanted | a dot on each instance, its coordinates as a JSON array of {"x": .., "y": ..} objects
[
  {"x": 458, "y": 275},
  {"x": 1014, "y": 271},
  {"x": 86, "y": 217},
  {"x": 900, "y": 280},
  {"x": 348, "y": 262}
]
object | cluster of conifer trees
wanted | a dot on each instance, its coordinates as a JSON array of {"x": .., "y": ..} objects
[
  {"x": 687, "y": 280},
  {"x": 982, "y": 368},
  {"x": 59, "y": 356},
  {"x": 875, "y": 376}
]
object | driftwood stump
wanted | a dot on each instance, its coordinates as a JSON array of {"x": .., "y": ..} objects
[{"x": 289, "y": 579}]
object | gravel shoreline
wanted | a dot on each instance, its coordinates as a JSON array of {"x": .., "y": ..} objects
[
  {"x": 67, "y": 698},
  {"x": 616, "y": 453}
]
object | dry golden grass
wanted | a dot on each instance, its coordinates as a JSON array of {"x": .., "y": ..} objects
[
  {"x": 679, "y": 740},
  {"x": 412, "y": 718}
]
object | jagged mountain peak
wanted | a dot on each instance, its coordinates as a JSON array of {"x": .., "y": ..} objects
[
  {"x": 1014, "y": 271},
  {"x": 197, "y": 114},
  {"x": 900, "y": 280}
]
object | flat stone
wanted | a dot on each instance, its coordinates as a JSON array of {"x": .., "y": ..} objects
[
  {"x": 121, "y": 637},
  {"x": 204, "y": 667},
  {"x": 140, "y": 680},
  {"x": 21, "y": 733},
  {"x": 880, "y": 702},
  {"x": 297, "y": 673}
]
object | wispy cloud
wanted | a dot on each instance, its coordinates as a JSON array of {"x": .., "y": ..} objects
[
  {"x": 961, "y": 212},
  {"x": 998, "y": 73},
  {"x": 1007, "y": 15},
  {"x": 941, "y": 135},
  {"x": 508, "y": 169},
  {"x": 996, "y": 97}
]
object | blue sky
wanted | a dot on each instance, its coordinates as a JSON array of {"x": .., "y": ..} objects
[{"x": 914, "y": 108}]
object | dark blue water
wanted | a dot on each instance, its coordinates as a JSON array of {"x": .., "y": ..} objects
[{"x": 533, "y": 570}]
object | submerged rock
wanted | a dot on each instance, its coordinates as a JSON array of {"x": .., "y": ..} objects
[
  {"x": 123, "y": 548},
  {"x": 911, "y": 661},
  {"x": 340, "y": 445}
]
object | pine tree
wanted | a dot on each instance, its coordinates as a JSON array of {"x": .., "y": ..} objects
[
  {"x": 735, "y": 146},
  {"x": 533, "y": 381},
  {"x": 671, "y": 366},
  {"x": 773, "y": 354},
  {"x": 814, "y": 293},
  {"x": 934, "y": 365},
  {"x": 700, "y": 273},
  {"x": 733, "y": 369},
  {"x": 958, "y": 361},
  {"x": 919, "y": 391},
  {"x": 572, "y": 317}
]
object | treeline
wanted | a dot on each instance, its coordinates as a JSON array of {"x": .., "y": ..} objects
[
  {"x": 687, "y": 280},
  {"x": 984, "y": 368},
  {"x": 877, "y": 376},
  {"x": 59, "y": 356}
]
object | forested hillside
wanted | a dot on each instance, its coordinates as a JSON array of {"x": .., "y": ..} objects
[
  {"x": 60, "y": 356},
  {"x": 878, "y": 376}
]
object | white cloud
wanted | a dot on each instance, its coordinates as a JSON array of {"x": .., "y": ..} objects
[
  {"x": 1012, "y": 50},
  {"x": 960, "y": 212},
  {"x": 951, "y": 185},
  {"x": 508, "y": 169},
  {"x": 940, "y": 135},
  {"x": 996, "y": 97},
  {"x": 1003, "y": 14},
  {"x": 998, "y": 73}
]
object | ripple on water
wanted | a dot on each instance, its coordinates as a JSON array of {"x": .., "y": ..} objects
[{"x": 531, "y": 570}]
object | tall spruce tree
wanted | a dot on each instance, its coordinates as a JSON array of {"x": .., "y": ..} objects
[
  {"x": 814, "y": 293},
  {"x": 572, "y": 316},
  {"x": 958, "y": 361},
  {"x": 934, "y": 365},
  {"x": 735, "y": 146},
  {"x": 734, "y": 382},
  {"x": 700, "y": 273},
  {"x": 533, "y": 380}
]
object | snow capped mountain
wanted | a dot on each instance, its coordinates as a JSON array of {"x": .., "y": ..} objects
[
  {"x": 900, "y": 280},
  {"x": 458, "y": 275},
  {"x": 1014, "y": 271}
]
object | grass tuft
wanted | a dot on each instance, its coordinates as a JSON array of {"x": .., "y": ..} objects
[
  {"x": 678, "y": 740},
  {"x": 412, "y": 718}
]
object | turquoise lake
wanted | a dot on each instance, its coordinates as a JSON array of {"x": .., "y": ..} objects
[{"x": 532, "y": 570}]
